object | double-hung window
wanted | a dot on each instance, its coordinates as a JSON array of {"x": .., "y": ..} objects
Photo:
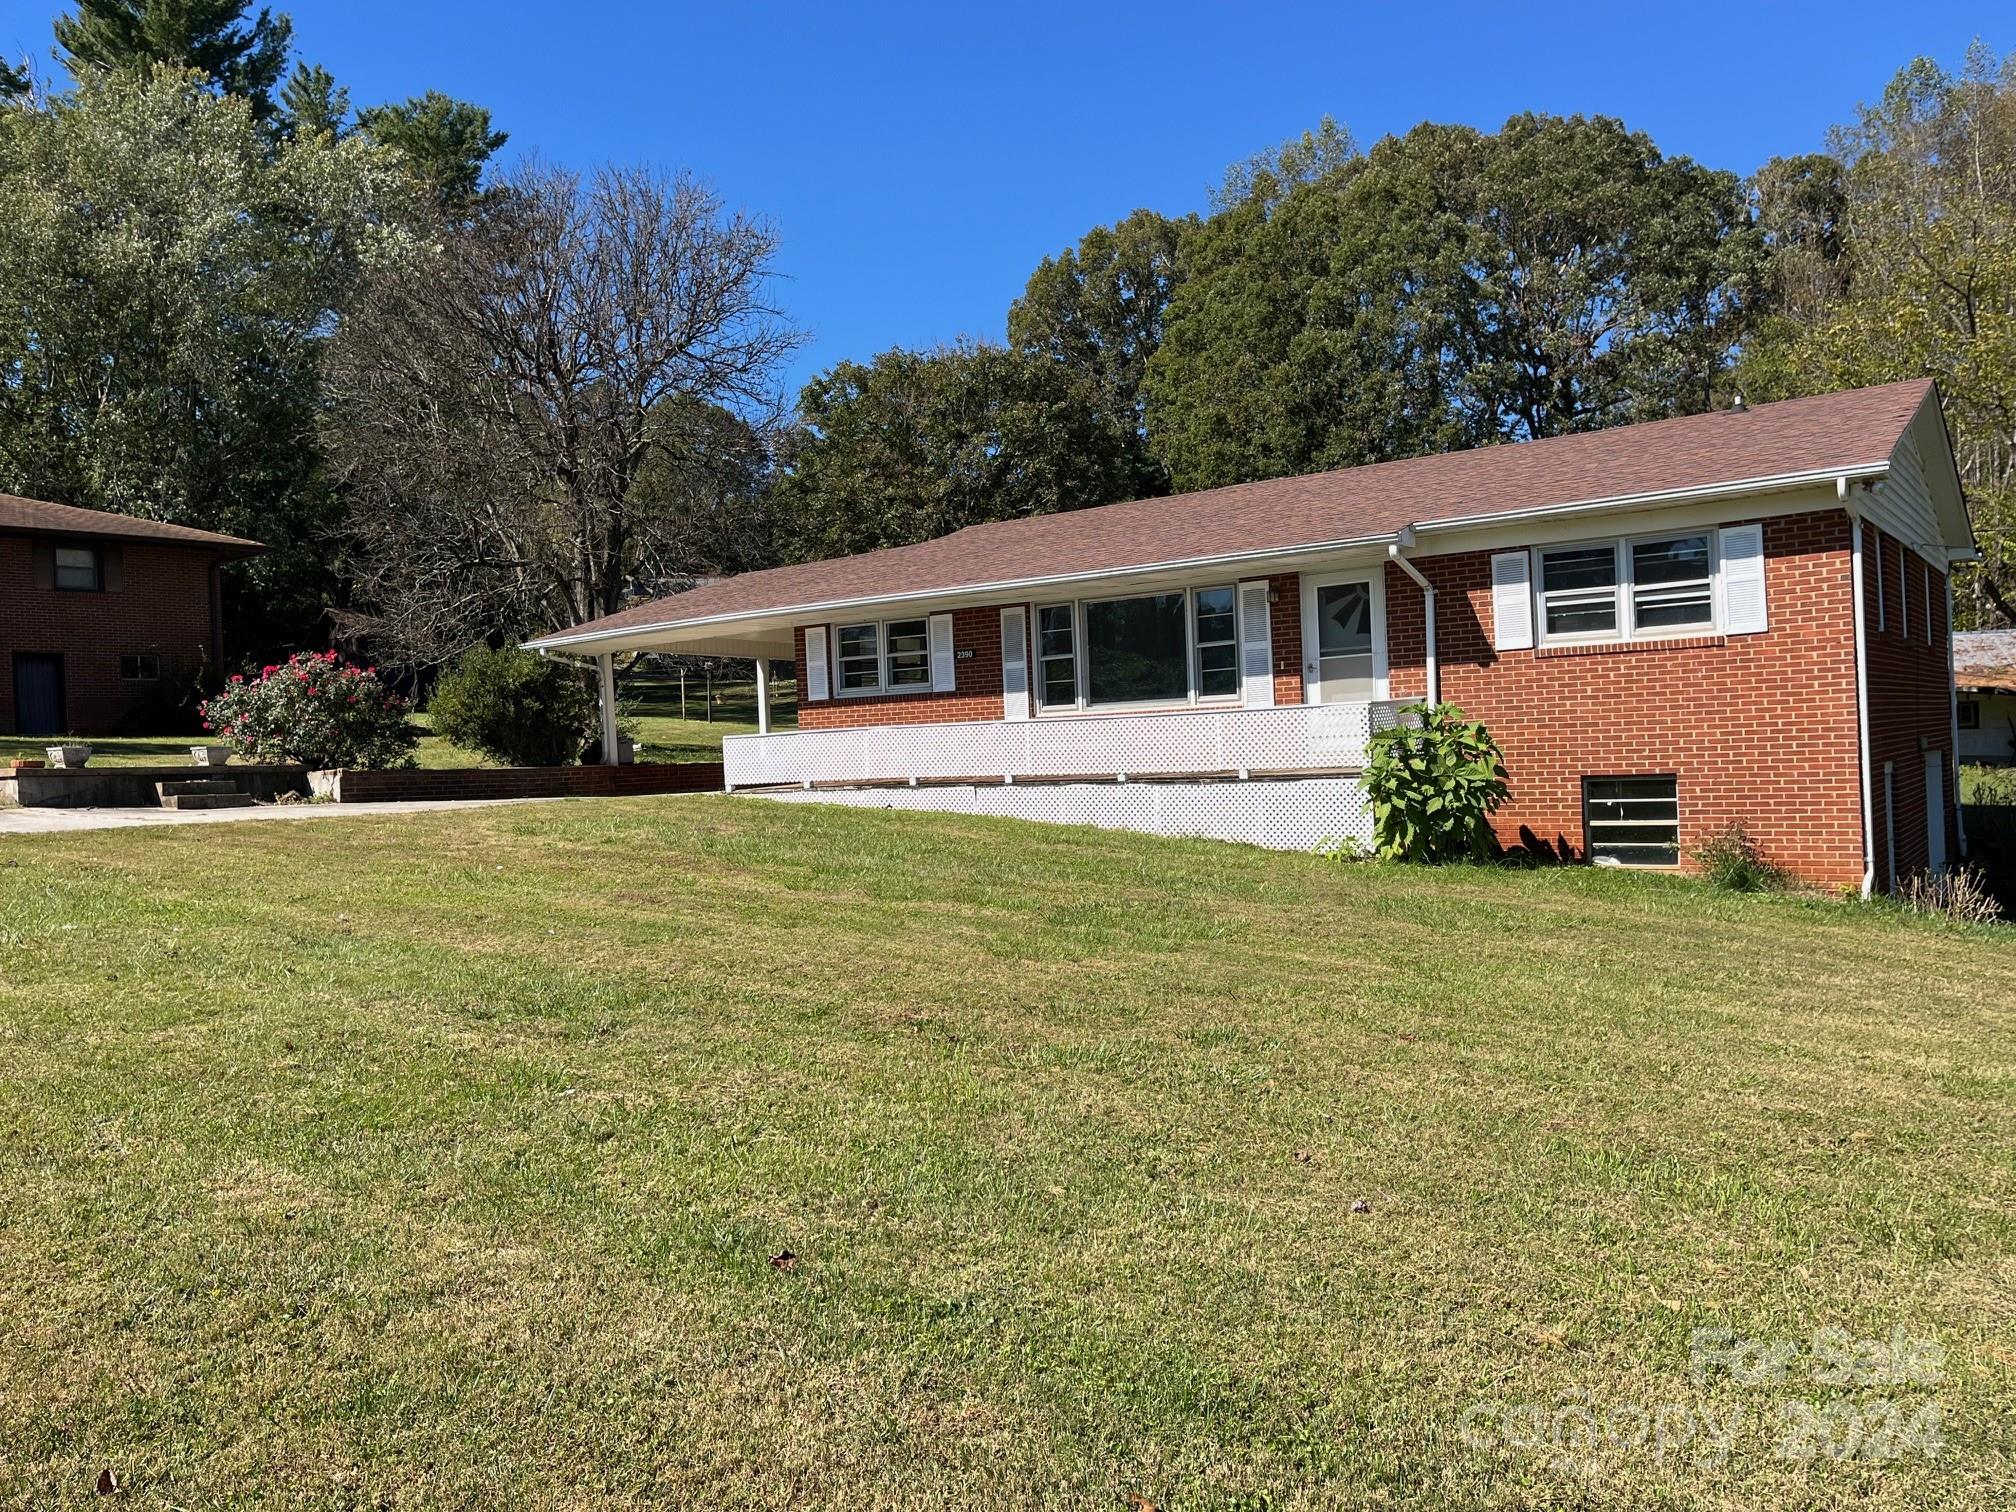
[
  {"x": 1057, "y": 656},
  {"x": 1172, "y": 647},
  {"x": 1649, "y": 586},
  {"x": 859, "y": 654},
  {"x": 1217, "y": 621},
  {"x": 891, "y": 657},
  {"x": 79, "y": 569}
]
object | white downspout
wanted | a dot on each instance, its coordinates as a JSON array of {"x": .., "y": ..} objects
[
  {"x": 1434, "y": 672},
  {"x": 1861, "y": 687},
  {"x": 1953, "y": 716}
]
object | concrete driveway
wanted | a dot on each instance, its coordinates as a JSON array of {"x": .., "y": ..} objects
[{"x": 58, "y": 821}]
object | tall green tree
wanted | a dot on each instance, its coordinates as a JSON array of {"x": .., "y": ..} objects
[
  {"x": 444, "y": 141},
  {"x": 170, "y": 272},
  {"x": 244, "y": 58},
  {"x": 1913, "y": 274},
  {"x": 1097, "y": 311},
  {"x": 16, "y": 83},
  {"x": 915, "y": 445},
  {"x": 313, "y": 104},
  {"x": 1452, "y": 288}
]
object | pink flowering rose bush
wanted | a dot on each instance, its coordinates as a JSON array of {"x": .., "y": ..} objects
[{"x": 316, "y": 710}]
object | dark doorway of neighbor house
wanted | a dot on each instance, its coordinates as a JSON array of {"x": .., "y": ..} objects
[{"x": 38, "y": 693}]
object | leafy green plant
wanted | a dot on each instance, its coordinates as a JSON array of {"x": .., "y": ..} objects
[
  {"x": 1988, "y": 785},
  {"x": 1434, "y": 786},
  {"x": 514, "y": 707},
  {"x": 1343, "y": 849},
  {"x": 314, "y": 709},
  {"x": 1730, "y": 859}
]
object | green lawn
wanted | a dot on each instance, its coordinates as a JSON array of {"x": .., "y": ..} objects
[
  {"x": 442, "y": 1161},
  {"x": 651, "y": 709}
]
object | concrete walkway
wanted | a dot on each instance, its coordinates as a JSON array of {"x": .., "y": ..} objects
[{"x": 57, "y": 821}]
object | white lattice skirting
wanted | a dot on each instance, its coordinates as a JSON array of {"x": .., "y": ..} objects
[{"x": 1289, "y": 814}]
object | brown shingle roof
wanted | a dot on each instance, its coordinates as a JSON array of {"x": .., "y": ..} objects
[
  {"x": 1984, "y": 658},
  {"x": 40, "y": 517},
  {"x": 1796, "y": 436}
]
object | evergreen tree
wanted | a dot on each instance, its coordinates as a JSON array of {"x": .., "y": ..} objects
[
  {"x": 445, "y": 141},
  {"x": 211, "y": 36},
  {"x": 314, "y": 105}
]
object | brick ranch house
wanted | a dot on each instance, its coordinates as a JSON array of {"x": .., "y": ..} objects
[
  {"x": 1737, "y": 616},
  {"x": 97, "y": 610}
]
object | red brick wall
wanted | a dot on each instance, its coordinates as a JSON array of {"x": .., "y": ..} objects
[
  {"x": 163, "y": 606},
  {"x": 1909, "y": 713},
  {"x": 1757, "y": 728},
  {"x": 1286, "y": 627},
  {"x": 976, "y": 692},
  {"x": 417, "y": 784}
]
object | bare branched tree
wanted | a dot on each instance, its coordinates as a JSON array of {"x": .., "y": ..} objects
[{"x": 495, "y": 408}]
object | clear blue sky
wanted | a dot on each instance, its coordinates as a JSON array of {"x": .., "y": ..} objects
[{"x": 919, "y": 159}]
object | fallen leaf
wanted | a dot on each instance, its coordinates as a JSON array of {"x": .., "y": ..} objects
[
  {"x": 1305, "y": 1157},
  {"x": 784, "y": 1260},
  {"x": 1550, "y": 1337},
  {"x": 1360, "y": 1205},
  {"x": 1141, "y": 1503},
  {"x": 108, "y": 1483}
]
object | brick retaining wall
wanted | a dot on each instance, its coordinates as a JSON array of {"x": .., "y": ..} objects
[{"x": 420, "y": 784}]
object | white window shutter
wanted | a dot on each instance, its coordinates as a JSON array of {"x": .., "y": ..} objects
[
  {"x": 815, "y": 663},
  {"x": 944, "y": 667},
  {"x": 1512, "y": 601},
  {"x": 1256, "y": 647},
  {"x": 1014, "y": 666},
  {"x": 1743, "y": 611}
]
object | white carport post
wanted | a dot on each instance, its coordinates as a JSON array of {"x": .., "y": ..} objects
[
  {"x": 605, "y": 678},
  {"x": 762, "y": 695}
]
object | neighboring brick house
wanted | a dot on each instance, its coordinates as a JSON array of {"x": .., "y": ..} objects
[
  {"x": 99, "y": 612},
  {"x": 1657, "y": 622}
]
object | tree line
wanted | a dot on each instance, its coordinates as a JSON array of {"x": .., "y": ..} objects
[{"x": 464, "y": 405}]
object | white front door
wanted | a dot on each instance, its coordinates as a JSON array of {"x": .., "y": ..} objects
[
  {"x": 1935, "y": 810},
  {"x": 1343, "y": 638}
]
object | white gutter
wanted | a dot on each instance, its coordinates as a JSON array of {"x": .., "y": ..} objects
[
  {"x": 1395, "y": 553},
  {"x": 1953, "y": 712},
  {"x": 1861, "y": 686},
  {"x": 1775, "y": 482}
]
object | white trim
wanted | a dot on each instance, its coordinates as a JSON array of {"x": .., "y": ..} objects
[
  {"x": 1021, "y": 587},
  {"x": 1890, "y": 819},
  {"x": 883, "y": 687},
  {"x": 1081, "y": 662},
  {"x": 938, "y": 648},
  {"x": 1959, "y": 809},
  {"x": 1254, "y": 609},
  {"x": 1015, "y": 690},
  {"x": 1857, "y": 528},
  {"x": 1312, "y": 661},
  {"x": 1623, "y": 590},
  {"x": 818, "y": 684}
]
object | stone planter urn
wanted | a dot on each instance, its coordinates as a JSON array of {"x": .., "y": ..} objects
[
  {"x": 211, "y": 755},
  {"x": 69, "y": 755}
]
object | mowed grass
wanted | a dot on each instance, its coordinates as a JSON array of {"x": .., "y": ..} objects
[{"x": 446, "y": 1161}]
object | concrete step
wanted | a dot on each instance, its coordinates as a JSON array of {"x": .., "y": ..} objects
[
  {"x": 190, "y": 786},
  {"x": 227, "y": 800}
]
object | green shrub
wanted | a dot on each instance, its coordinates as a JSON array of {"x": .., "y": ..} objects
[
  {"x": 1988, "y": 785},
  {"x": 514, "y": 707},
  {"x": 1730, "y": 859},
  {"x": 315, "y": 710},
  {"x": 1434, "y": 786}
]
